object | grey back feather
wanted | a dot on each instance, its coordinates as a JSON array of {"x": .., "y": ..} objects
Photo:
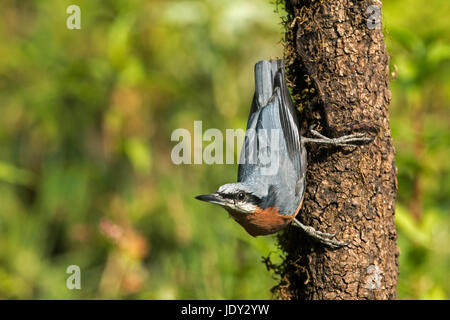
[{"x": 272, "y": 108}]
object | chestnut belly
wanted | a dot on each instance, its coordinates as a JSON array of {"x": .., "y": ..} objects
[{"x": 262, "y": 222}]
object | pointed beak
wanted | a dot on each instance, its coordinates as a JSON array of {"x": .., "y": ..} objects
[{"x": 211, "y": 198}]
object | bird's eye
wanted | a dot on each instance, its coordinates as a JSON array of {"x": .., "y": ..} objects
[{"x": 241, "y": 196}]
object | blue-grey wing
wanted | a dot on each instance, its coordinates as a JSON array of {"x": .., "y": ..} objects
[
  {"x": 272, "y": 108},
  {"x": 289, "y": 123},
  {"x": 265, "y": 72},
  {"x": 273, "y": 172}
]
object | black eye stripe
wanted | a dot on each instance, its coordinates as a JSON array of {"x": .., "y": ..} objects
[
  {"x": 227, "y": 195},
  {"x": 253, "y": 199},
  {"x": 249, "y": 197}
]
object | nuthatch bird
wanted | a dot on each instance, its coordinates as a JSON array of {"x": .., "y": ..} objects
[{"x": 265, "y": 200}]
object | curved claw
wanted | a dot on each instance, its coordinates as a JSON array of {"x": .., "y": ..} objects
[
  {"x": 325, "y": 235},
  {"x": 322, "y": 237},
  {"x": 344, "y": 141},
  {"x": 333, "y": 243}
]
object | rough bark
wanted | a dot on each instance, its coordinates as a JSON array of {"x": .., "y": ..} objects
[{"x": 338, "y": 68}]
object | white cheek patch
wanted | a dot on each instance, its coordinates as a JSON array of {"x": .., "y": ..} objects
[{"x": 246, "y": 207}]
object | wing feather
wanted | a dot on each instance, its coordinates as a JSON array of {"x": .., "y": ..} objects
[{"x": 273, "y": 108}]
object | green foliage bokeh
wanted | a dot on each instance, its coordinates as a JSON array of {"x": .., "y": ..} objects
[{"x": 86, "y": 117}]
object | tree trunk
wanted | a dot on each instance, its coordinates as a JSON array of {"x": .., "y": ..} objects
[{"x": 338, "y": 67}]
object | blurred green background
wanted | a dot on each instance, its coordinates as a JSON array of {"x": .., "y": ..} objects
[{"x": 86, "y": 118}]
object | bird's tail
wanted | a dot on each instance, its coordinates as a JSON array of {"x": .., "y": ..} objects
[{"x": 265, "y": 72}]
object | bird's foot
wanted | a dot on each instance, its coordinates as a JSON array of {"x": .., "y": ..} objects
[
  {"x": 322, "y": 237},
  {"x": 344, "y": 141}
]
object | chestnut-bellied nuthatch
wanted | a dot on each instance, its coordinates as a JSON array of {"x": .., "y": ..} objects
[{"x": 266, "y": 200}]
